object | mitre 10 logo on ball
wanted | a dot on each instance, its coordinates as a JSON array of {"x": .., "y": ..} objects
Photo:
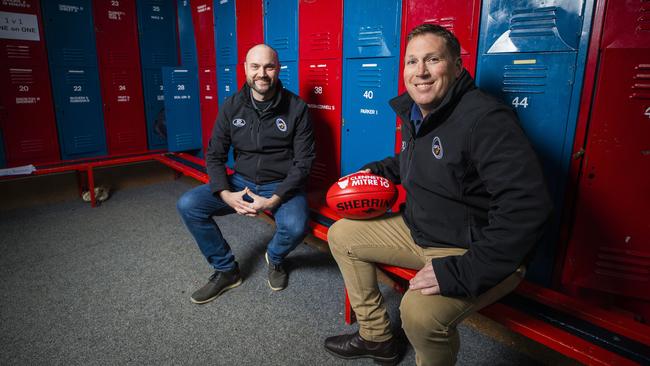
[{"x": 361, "y": 196}]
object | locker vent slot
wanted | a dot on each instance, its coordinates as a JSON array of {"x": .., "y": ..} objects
[
  {"x": 118, "y": 58},
  {"x": 226, "y": 52},
  {"x": 643, "y": 21},
  {"x": 369, "y": 77},
  {"x": 180, "y": 77},
  {"x": 75, "y": 77},
  {"x": 183, "y": 139},
  {"x": 321, "y": 41},
  {"x": 205, "y": 57},
  {"x": 83, "y": 141},
  {"x": 318, "y": 76},
  {"x": 73, "y": 55},
  {"x": 126, "y": 139},
  {"x": 281, "y": 43},
  {"x": 524, "y": 79},
  {"x": 18, "y": 52},
  {"x": 371, "y": 36},
  {"x": 159, "y": 58},
  {"x": 21, "y": 76},
  {"x": 641, "y": 82},
  {"x": 319, "y": 172},
  {"x": 533, "y": 22},
  {"x": 446, "y": 22},
  {"x": 623, "y": 264},
  {"x": 32, "y": 146},
  {"x": 188, "y": 56}
]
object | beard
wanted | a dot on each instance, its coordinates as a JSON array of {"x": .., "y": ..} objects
[{"x": 265, "y": 90}]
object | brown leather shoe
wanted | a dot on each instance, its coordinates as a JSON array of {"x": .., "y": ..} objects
[{"x": 351, "y": 346}]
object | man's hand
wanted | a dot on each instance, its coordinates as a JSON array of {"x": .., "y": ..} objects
[
  {"x": 236, "y": 201},
  {"x": 260, "y": 203},
  {"x": 425, "y": 281}
]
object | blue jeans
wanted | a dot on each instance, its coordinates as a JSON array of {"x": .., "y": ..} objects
[{"x": 198, "y": 205}]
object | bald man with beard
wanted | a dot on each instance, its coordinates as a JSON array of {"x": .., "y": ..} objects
[{"x": 270, "y": 132}]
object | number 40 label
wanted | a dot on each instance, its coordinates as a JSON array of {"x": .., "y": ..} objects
[{"x": 523, "y": 102}]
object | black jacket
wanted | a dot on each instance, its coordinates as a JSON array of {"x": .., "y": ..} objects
[
  {"x": 472, "y": 181},
  {"x": 275, "y": 145}
]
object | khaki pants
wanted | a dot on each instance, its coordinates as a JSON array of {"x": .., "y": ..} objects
[{"x": 429, "y": 321}]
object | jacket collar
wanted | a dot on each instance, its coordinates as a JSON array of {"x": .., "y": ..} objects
[{"x": 402, "y": 104}]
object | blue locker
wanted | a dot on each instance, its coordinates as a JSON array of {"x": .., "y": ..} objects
[
  {"x": 157, "y": 27},
  {"x": 70, "y": 34},
  {"x": 368, "y": 131},
  {"x": 72, "y": 55},
  {"x": 371, "y": 28},
  {"x": 154, "y": 105},
  {"x": 158, "y": 48},
  {"x": 281, "y": 28},
  {"x": 182, "y": 108},
  {"x": 532, "y": 55},
  {"x": 79, "y": 112},
  {"x": 226, "y": 82},
  {"x": 186, "y": 35},
  {"x": 225, "y": 31},
  {"x": 289, "y": 75}
]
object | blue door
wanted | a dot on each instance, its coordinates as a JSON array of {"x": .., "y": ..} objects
[
  {"x": 281, "y": 28},
  {"x": 225, "y": 35},
  {"x": 182, "y": 108},
  {"x": 371, "y": 28},
  {"x": 368, "y": 131},
  {"x": 289, "y": 75},
  {"x": 532, "y": 55}
]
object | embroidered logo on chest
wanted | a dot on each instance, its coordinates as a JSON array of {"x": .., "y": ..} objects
[
  {"x": 436, "y": 148},
  {"x": 281, "y": 124},
  {"x": 238, "y": 122}
]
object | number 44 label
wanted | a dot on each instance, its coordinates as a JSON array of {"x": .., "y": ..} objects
[{"x": 523, "y": 102}]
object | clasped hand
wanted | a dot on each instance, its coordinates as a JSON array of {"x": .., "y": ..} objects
[
  {"x": 243, "y": 207},
  {"x": 425, "y": 281}
]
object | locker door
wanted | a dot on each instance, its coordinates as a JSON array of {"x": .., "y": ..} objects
[
  {"x": 157, "y": 26},
  {"x": 120, "y": 76},
  {"x": 186, "y": 35},
  {"x": 250, "y": 31},
  {"x": 281, "y": 28},
  {"x": 226, "y": 32},
  {"x": 26, "y": 107},
  {"x": 226, "y": 82},
  {"x": 532, "y": 57},
  {"x": 371, "y": 28},
  {"x": 182, "y": 110},
  {"x": 209, "y": 106},
  {"x": 71, "y": 41},
  {"x": 203, "y": 19},
  {"x": 154, "y": 98},
  {"x": 289, "y": 75},
  {"x": 78, "y": 112},
  {"x": 321, "y": 29},
  {"x": 368, "y": 121},
  {"x": 609, "y": 247},
  {"x": 321, "y": 90}
]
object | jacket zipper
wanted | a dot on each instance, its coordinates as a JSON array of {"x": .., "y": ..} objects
[{"x": 257, "y": 145}]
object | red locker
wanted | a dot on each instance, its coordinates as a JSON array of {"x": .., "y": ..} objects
[
  {"x": 321, "y": 29},
  {"x": 26, "y": 107},
  {"x": 460, "y": 17},
  {"x": 608, "y": 253},
  {"x": 209, "y": 103},
  {"x": 203, "y": 19},
  {"x": 250, "y": 31},
  {"x": 120, "y": 75},
  {"x": 320, "y": 88}
]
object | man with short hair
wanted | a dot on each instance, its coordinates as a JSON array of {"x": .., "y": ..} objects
[
  {"x": 270, "y": 131},
  {"x": 476, "y": 204}
]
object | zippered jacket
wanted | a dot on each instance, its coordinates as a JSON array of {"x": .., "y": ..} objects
[
  {"x": 276, "y": 145},
  {"x": 472, "y": 181}
]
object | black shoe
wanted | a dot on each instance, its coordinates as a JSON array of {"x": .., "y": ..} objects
[
  {"x": 351, "y": 346},
  {"x": 219, "y": 283},
  {"x": 278, "y": 277}
]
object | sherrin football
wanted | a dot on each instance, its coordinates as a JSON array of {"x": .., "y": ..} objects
[{"x": 361, "y": 196}]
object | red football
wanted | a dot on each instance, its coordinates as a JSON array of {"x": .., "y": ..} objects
[{"x": 361, "y": 196}]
